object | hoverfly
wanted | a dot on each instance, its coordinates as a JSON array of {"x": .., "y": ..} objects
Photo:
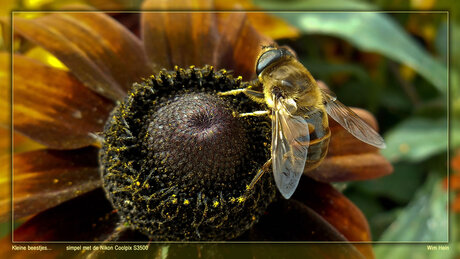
[{"x": 299, "y": 111}]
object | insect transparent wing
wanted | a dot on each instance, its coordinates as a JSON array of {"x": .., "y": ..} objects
[
  {"x": 352, "y": 122},
  {"x": 290, "y": 140}
]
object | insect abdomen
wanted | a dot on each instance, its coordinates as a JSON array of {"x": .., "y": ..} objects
[{"x": 319, "y": 139}]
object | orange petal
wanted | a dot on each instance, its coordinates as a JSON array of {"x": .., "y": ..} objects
[
  {"x": 336, "y": 209},
  {"x": 5, "y": 90},
  {"x": 239, "y": 45},
  {"x": 455, "y": 162},
  {"x": 455, "y": 181},
  {"x": 456, "y": 204},
  {"x": 89, "y": 217},
  {"x": 350, "y": 159},
  {"x": 179, "y": 38},
  {"x": 101, "y": 53},
  {"x": 53, "y": 108},
  {"x": 45, "y": 178}
]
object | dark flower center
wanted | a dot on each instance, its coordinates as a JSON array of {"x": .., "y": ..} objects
[
  {"x": 176, "y": 162},
  {"x": 199, "y": 128}
]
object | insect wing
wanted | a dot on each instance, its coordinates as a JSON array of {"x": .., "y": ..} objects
[
  {"x": 352, "y": 122},
  {"x": 290, "y": 140}
]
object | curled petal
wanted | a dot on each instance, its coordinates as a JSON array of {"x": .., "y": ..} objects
[
  {"x": 89, "y": 217},
  {"x": 101, "y": 53},
  {"x": 43, "y": 179},
  {"x": 350, "y": 159},
  {"x": 53, "y": 108},
  {"x": 179, "y": 38}
]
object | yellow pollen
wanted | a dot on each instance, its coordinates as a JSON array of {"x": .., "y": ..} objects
[
  {"x": 241, "y": 199},
  {"x": 186, "y": 202},
  {"x": 138, "y": 183},
  {"x": 215, "y": 204}
]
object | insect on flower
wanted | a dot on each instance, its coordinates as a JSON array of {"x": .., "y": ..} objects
[{"x": 298, "y": 111}]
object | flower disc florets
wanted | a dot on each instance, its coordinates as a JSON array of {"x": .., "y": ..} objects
[{"x": 176, "y": 160}]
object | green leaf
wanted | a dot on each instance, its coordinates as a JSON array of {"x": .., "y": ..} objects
[
  {"x": 425, "y": 219},
  {"x": 322, "y": 69},
  {"x": 416, "y": 139},
  {"x": 405, "y": 180},
  {"x": 368, "y": 31}
]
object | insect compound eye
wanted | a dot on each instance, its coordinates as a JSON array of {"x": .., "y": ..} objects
[{"x": 269, "y": 57}]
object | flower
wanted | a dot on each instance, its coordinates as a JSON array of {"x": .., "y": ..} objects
[
  {"x": 454, "y": 181},
  {"x": 58, "y": 189}
]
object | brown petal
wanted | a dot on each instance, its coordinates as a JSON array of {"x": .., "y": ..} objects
[
  {"x": 351, "y": 168},
  {"x": 336, "y": 209},
  {"x": 89, "y": 217},
  {"x": 5, "y": 26},
  {"x": 45, "y": 178},
  {"x": 5, "y": 143},
  {"x": 5, "y": 90},
  {"x": 126, "y": 59},
  {"x": 5, "y": 176},
  {"x": 290, "y": 220},
  {"x": 239, "y": 45},
  {"x": 350, "y": 159},
  {"x": 53, "y": 108},
  {"x": 101, "y": 53},
  {"x": 179, "y": 38}
]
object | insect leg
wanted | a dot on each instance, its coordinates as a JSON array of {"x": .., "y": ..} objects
[
  {"x": 247, "y": 91},
  {"x": 256, "y": 113},
  {"x": 252, "y": 94},
  {"x": 261, "y": 172},
  {"x": 232, "y": 92}
]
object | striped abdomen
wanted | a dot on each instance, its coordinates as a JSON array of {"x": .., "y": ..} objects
[{"x": 319, "y": 138}]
